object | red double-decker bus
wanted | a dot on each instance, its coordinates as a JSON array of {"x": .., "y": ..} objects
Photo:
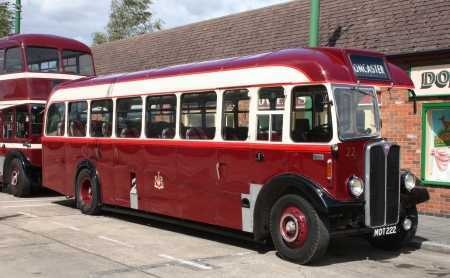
[
  {"x": 284, "y": 145},
  {"x": 30, "y": 67}
]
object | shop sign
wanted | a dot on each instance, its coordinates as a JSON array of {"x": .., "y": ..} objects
[
  {"x": 431, "y": 80},
  {"x": 436, "y": 145}
]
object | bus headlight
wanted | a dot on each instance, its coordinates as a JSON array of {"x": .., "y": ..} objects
[
  {"x": 409, "y": 181},
  {"x": 356, "y": 186}
]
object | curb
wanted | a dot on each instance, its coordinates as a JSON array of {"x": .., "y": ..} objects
[{"x": 430, "y": 246}]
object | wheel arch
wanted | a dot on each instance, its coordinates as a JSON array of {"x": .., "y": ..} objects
[
  {"x": 12, "y": 155},
  {"x": 280, "y": 186}
]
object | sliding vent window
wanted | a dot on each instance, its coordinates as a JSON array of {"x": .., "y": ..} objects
[
  {"x": 56, "y": 119},
  {"x": 77, "y": 119},
  {"x": 40, "y": 59},
  {"x": 198, "y": 116},
  {"x": 235, "y": 115},
  {"x": 161, "y": 117},
  {"x": 271, "y": 104},
  {"x": 311, "y": 115},
  {"x": 101, "y": 118},
  {"x": 129, "y": 118}
]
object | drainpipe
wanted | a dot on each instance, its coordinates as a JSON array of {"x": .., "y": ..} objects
[
  {"x": 18, "y": 12},
  {"x": 314, "y": 23}
]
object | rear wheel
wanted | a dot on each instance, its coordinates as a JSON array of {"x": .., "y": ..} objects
[
  {"x": 403, "y": 236},
  {"x": 298, "y": 232},
  {"x": 18, "y": 182},
  {"x": 87, "y": 192}
]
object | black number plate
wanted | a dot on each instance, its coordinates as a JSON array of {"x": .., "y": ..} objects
[{"x": 385, "y": 231}]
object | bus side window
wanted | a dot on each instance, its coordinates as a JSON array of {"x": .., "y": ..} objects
[
  {"x": 129, "y": 117},
  {"x": 270, "y": 114},
  {"x": 22, "y": 122},
  {"x": 101, "y": 118},
  {"x": 37, "y": 115},
  {"x": 161, "y": 117},
  {"x": 77, "y": 119},
  {"x": 8, "y": 124},
  {"x": 311, "y": 115},
  {"x": 56, "y": 119},
  {"x": 13, "y": 60},
  {"x": 235, "y": 115},
  {"x": 198, "y": 114},
  {"x": 2, "y": 61}
]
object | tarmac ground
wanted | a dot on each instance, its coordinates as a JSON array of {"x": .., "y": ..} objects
[{"x": 46, "y": 236}]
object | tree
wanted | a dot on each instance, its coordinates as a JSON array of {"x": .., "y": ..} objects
[
  {"x": 128, "y": 18},
  {"x": 6, "y": 18}
]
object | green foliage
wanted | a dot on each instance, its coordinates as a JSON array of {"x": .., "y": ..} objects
[
  {"x": 128, "y": 18},
  {"x": 6, "y": 18}
]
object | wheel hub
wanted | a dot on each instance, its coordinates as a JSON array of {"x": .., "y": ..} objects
[
  {"x": 86, "y": 192},
  {"x": 14, "y": 177},
  {"x": 293, "y": 226}
]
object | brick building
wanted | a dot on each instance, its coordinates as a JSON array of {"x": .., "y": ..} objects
[{"x": 414, "y": 33}]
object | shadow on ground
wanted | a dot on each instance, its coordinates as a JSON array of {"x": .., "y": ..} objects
[{"x": 341, "y": 250}]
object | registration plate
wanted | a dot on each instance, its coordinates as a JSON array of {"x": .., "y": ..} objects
[{"x": 384, "y": 231}]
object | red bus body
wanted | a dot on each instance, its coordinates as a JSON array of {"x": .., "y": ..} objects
[
  {"x": 219, "y": 182},
  {"x": 27, "y": 90}
]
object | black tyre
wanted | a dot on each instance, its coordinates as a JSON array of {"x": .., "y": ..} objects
[
  {"x": 298, "y": 232},
  {"x": 402, "y": 238},
  {"x": 88, "y": 192},
  {"x": 17, "y": 182}
]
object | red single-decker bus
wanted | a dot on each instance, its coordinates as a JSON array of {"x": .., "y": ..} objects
[{"x": 284, "y": 145}]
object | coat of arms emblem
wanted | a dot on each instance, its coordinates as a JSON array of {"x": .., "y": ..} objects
[{"x": 159, "y": 181}]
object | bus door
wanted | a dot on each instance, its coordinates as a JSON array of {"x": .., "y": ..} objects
[
  {"x": 54, "y": 155},
  {"x": 235, "y": 159},
  {"x": 161, "y": 191},
  {"x": 103, "y": 150},
  {"x": 128, "y": 166},
  {"x": 197, "y": 159},
  {"x": 76, "y": 150}
]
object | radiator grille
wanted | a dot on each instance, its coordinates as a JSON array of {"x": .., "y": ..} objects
[{"x": 382, "y": 193}]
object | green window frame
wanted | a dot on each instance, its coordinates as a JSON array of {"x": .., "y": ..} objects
[{"x": 426, "y": 107}]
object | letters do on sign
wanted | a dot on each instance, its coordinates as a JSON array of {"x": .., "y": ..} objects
[{"x": 431, "y": 80}]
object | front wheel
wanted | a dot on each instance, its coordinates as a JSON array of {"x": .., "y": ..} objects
[
  {"x": 403, "y": 236},
  {"x": 18, "y": 183},
  {"x": 298, "y": 232},
  {"x": 87, "y": 192}
]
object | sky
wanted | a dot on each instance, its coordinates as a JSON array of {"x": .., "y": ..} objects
[{"x": 78, "y": 19}]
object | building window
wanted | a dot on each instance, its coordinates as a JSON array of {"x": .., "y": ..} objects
[
  {"x": 436, "y": 143},
  {"x": 77, "y": 119},
  {"x": 129, "y": 117},
  {"x": 311, "y": 115},
  {"x": 198, "y": 116},
  {"x": 161, "y": 117},
  {"x": 101, "y": 118},
  {"x": 235, "y": 118},
  {"x": 56, "y": 119},
  {"x": 41, "y": 59}
]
